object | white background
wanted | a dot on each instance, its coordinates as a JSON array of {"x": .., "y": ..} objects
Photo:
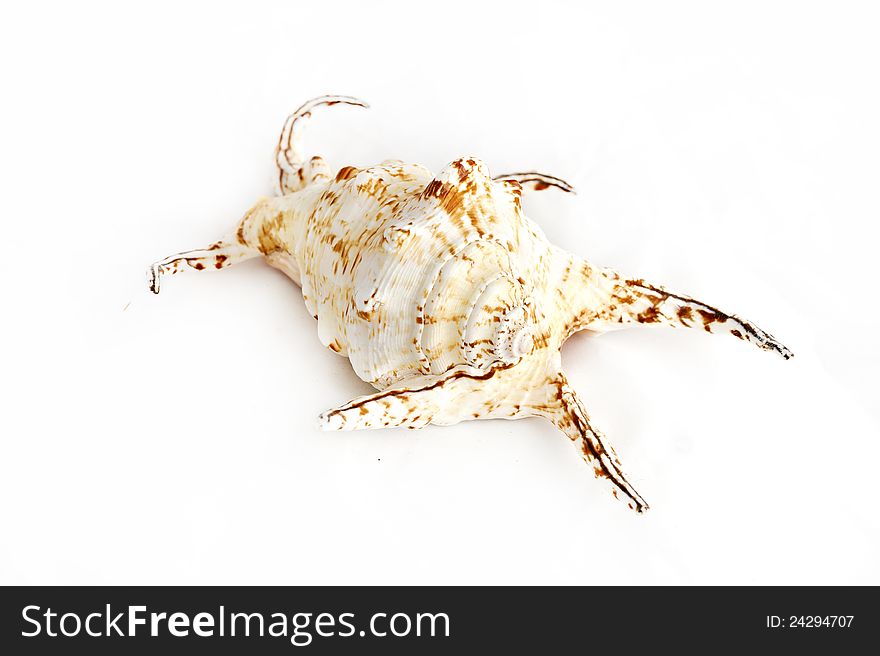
[{"x": 727, "y": 152}]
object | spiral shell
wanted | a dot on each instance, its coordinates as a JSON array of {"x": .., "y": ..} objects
[{"x": 442, "y": 294}]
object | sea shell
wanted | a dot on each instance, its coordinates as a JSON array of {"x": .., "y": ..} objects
[{"x": 442, "y": 294}]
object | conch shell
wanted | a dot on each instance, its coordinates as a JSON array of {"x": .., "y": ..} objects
[{"x": 442, "y": 294}]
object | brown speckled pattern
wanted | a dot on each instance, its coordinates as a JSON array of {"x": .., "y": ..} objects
[{"x": 442, "y": 294}]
